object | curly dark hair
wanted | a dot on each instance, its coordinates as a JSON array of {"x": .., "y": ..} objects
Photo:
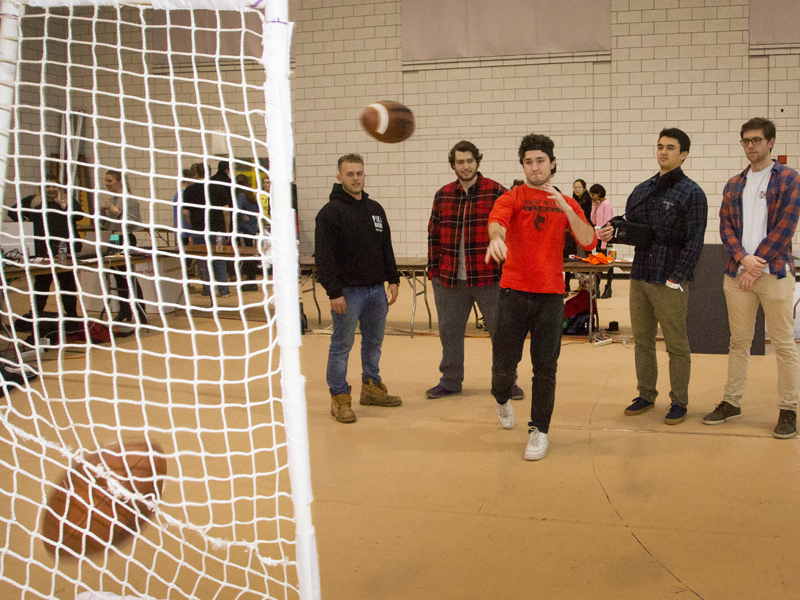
[
  {"x": 536, "y": 141},
  {"x": 464, "y": 146}
]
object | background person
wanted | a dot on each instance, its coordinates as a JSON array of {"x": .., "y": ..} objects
[
  {"x": 52, "y": 224},
  {"x": 602, "y": 213},
  {"x": 354, "y": 256},
  {"x": 119, "y": 211},
  {"x": 247, "y": 226},
  {"x": 209, "y": 214},
  {"x": 183, "y": 227}
]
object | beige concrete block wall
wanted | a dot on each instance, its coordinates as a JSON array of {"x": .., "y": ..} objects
[{"x": 682, "y": 63}]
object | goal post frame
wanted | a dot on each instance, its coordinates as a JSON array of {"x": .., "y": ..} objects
[{"x": 275, "y": 60}]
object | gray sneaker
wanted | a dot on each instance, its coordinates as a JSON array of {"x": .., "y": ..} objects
[
  {"x": 725, "y": 411},
  {"x": 505, "y": 412},
  {"x": 787, "y": 425}
]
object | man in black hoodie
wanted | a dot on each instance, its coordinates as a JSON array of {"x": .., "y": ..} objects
[{"x": 354, "y": 258}]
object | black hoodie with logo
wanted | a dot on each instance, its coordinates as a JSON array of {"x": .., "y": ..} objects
[{"x": 353, "y": 244}]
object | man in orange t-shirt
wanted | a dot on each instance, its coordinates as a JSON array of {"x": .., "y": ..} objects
[{"x": 526, "y": 232}]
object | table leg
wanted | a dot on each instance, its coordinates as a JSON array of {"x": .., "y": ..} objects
[
  {"x": 414, "y": 300},
  {"x": 425, "y": 296},
  {"x": 314, "y": 295}
]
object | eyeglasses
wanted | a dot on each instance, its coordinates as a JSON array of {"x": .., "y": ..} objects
[{"x": 756, "y": 141}]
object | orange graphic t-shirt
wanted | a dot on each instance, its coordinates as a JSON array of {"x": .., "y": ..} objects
[{"x": 535, "y": 229}]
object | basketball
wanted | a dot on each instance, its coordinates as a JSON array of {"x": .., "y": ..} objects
[
  {"x": 83, "y": 513},
  {"x": 387, "y": 121}
]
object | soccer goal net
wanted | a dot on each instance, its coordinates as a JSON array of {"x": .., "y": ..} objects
[{"x": 154, "y": 440}]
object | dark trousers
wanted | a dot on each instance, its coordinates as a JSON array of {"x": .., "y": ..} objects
[
  {"x": 519, "y": 313},
  {"x": 247, "y": 266},
  {"x": 68, "y": 291},
  {"x": 124, "y": 292}
]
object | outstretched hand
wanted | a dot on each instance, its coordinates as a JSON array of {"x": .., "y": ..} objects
[
  {"x": 556, "y": 197},
  {"x": 496, "y": 251}
]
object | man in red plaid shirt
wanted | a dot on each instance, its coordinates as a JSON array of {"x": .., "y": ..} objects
[
  {"x": 458, "y": 236},
  {"x": 758, "y": 218}
]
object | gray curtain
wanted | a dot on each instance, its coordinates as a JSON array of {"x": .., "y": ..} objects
[{"x": 447, "y": 29}]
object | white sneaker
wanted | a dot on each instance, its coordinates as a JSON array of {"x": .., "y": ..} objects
[
  {"x": 537, "y": 445},
  {"x": 505, "y": 412}
]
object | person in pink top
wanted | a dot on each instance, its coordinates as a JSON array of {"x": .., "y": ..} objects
[
  {"x": 526, "y": 232},
  {"x": 602, "y": 214}
]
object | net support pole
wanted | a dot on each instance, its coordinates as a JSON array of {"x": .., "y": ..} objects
[
  {"x": 9, "y": 51},
  {"x": 280, "y": 145}
]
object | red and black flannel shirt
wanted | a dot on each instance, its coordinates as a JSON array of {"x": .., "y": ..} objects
[
  {"x": 783, "y": 205},
  {"x": 454, "y": 213}
]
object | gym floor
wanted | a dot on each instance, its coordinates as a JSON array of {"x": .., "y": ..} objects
[{"x": 434, "y": 500}]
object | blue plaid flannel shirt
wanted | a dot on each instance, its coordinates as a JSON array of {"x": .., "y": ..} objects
[{"x": 678, "y": 216}]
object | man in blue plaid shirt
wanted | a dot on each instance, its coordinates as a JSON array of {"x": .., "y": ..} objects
[
  {"x": 757, "y": 221},
  {"x": 676, "y": 209}
]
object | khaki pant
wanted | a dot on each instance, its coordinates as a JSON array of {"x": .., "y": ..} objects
[
  {"x": 777, "y": 298},
  {"x": 654, "y": 304}
]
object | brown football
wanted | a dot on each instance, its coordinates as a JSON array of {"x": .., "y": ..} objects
[
  {"x": 82, "y": 513},
  {"x": 388, "y": 121}
]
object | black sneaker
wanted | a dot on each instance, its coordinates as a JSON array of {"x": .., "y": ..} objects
[
  {"x": 676, "y": 414},
  {"x": 517, "y": 393},
  {"x": 787, "y": 425},
  {"x": 124, "y": 316},
  {"x": 24, "y": 323},
  {"x": 639, "y": 406},
  {"x": 725, "y": 411},
  {"x": 10, "y": 376},
  {"x": 439, "y": 391},
  {"x": 606, "y": 293}
]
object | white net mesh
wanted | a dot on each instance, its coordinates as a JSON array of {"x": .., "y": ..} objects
[{"x": 102, "y": 308}]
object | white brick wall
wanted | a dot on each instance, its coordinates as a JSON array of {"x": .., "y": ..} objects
[{"x": 681, "y": 63}]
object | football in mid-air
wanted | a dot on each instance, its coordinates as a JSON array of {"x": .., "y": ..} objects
[{"x": 388, "y": 121}]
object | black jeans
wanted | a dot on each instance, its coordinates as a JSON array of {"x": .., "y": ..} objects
[
  {"x": 519, "y": 313},
  {"x": 124, "y": 292},
  {"x": 247, "y": 266},
  {"x": 68, "y": 291}
]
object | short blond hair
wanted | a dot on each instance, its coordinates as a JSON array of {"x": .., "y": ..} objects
[{"x": 350, "y": 158}]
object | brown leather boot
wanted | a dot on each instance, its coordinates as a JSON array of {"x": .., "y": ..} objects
[
  {"x": 340, "y": 408},
  {"x": 375, "y": 394}
]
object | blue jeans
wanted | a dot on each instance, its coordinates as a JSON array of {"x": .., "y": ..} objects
[
  {"x": 220, "y": 268},
  {"x": 369, "y": 307},
  {"x": 519, "y": 313}
]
